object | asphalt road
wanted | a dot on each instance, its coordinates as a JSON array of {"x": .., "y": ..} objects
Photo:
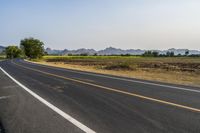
[{"x": 103, "y": 103}]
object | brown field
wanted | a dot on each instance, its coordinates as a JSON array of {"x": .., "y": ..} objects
[{"x": 179, "y": 70}]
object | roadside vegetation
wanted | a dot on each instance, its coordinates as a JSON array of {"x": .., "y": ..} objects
[
  {"x": 30, "y": 48},
  {"x": 2, "y": 57},
  {"x": 180, "y": 70},
  {"x": 13, "y": 52}
]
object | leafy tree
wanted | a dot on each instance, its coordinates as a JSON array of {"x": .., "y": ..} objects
[
  {"x": 187, "y": 52},
  {"x": 84, "y": 54},
  {"x": 13, "y": 52},
  {"x": 155, "y": 54},
  {"x": 147, "y": 53},
  {"x": 151, "y": 54},
  {"x": 70, "y": 54},
  {"x": 170, "y": 54},
  {"x": 32, "y": 48}
]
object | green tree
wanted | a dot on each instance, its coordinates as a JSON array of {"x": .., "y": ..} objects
[
  {"x": 32, "y": 48},
  {"x": 151, "y": 54},
  {"x": 148, "y": 54},
  {"x": 13, "y": 52},
  {"x": 155, "y": 54},
  {"x": 170, "y": 54},
  {"x": 187, "y": 52}
]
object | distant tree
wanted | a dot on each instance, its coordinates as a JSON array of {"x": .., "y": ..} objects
[
  {"x": 194, "y": 55},
  {"x": 46, "y": 53},
  {"x": 187, "y": 52},
  {"x": 147, "y": 53},
  {"x": 84, "y": 54},
  {"x": 179, "y": 55},
  {"x": 13, "y": 52},
  {"x": 170, "y": 54},
  {"x": 161, "y": 55},
  {"x": 155, "y": 54},
  {"x": 32, "y": 48},
  {"x": 151, "y": 54}
]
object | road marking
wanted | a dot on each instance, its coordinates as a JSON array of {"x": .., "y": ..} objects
[
  {"x": 116, "y": 90},
  {"x": 51, "y": 106},
  {"x": 4, "y": 97},
  {"x": 118, "y": 78}
]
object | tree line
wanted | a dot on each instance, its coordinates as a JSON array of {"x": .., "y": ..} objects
[
  {"x": 168, "y": 54},
  {"x": 29, "y": 48},
  {"x": 34, "y": 48}
]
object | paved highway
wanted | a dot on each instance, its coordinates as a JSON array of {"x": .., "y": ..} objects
[{"x": 36, "y": 98}]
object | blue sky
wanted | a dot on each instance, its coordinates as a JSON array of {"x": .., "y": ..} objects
[{"x": 72, "y": 24}]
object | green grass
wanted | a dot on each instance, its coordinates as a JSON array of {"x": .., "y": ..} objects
[
  {"x": 129, "y": 59},
  {"x": 90, "y": 57},
  {"x": 2, "y": 57}
]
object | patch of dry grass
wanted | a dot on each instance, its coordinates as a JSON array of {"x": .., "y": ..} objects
[{"x": 156, "y": 72}]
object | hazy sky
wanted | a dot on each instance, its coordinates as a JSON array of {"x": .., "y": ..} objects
[{"x": 72, "y": 24}]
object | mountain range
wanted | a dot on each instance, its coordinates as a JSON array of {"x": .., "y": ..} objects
[
  {"x": 112, "y": 51},
  {"x": 1, "y": 49},
  {"x": 117, "y": 51}
]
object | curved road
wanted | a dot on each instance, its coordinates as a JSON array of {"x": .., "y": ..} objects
[{"x": 37, "y": 98}]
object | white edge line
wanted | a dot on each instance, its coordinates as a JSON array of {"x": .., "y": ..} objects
[
  {"x": 129, "y": 80},
  {"x": 51, "y": 106},
  {"x": 4, "y": 97}
]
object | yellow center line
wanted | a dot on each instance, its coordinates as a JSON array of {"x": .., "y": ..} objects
[{"x": 115, "y": 90}]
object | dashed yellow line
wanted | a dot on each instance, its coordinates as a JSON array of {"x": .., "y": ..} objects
[{"x": 115, "y": 90}]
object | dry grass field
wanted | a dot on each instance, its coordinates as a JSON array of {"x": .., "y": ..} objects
[{"x": 179, "y": 70}]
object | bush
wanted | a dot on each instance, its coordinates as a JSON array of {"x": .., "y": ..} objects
[{"x": 13, "y": 52}]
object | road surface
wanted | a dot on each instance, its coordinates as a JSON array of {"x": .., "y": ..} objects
[{"x": 36, "y": 98}]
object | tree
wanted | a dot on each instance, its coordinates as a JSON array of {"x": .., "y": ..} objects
[
  {"x": 13, "y": 52},
  {"x": 155, "y": 54},
  {"x": 151, "y": 54},
  {"x": 32, "y": 48},
  {"x": 170, "y": 54},
  {"x": 95, "y": 54},
  {"x": 84, "y": 54},
  {"x": 147, "y": 54},
  {"x": 187, "y": 52}
]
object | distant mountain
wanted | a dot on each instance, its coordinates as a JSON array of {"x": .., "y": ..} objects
[
  {"x": 79, "y": 51},
  {"x": 1, "y": 49},
  {"x": 73, "y": 52},
  {"x": 111, "y": 51},
  {"x": 51, "y": 52},
  {"x": 116, "y": 51},
  {"x": 180, "y": 51}
]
